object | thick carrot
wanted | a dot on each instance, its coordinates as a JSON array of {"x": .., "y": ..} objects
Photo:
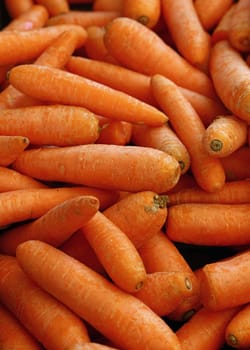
[
  {"x": 224, "y": 135},
  {"x": 16, "y": 8},
  {"x": 236, "y": 165},
  {"x": 221, "y": 31},
  {"x": 55, "y": 7},
  {"x": 238, "y": 329},
  {"x": 208, "y": 171},
  {"x": 210, "y": 12},
  {"x": 231, "y": 76},
  {"x": 146, "y": 12},
  {"x": 146, "y": 212},
  {"x": 58, "y": 125},
  {"x": 103, "y": 166},
  {"x": 239, "y": 30},
  {"x": 11, "y": 147},
  {"x": 141, "y": 49},
  {"x": 97, "y": 300},
  {"x": 224, "y": 283},
  {"x": 54, "y": 227},
  {"x": 191, "y": 39},
  {"x": 58, "y": 86},
  {"x": 114, "y": 132},
  {"x": 206, "y": 329},
  {"x": 163, "y": 138},
  {"x": 30, "y": 203},
  {"x": 43, "y": 315},
  {"x": 107, "y": 5}
]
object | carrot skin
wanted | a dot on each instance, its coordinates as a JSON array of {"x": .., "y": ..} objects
[{"x": 10, "y": 148}]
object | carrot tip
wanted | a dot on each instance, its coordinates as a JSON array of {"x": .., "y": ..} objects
[
  {"x": 232, "y": 340},
  {"x": 182, "y": 164},
  {"x": 143, "y": 20},
  {"x": 188, "y": 283},
  {"x": 188, "y": 314},
  {"x": 160, "y": 201},
  {"x": 139, "y": 285},
  {"x": 216, "y": 145}
]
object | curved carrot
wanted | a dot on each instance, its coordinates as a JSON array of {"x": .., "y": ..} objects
[
  {"x": 114, "y": 132},
  {"x": 55, "y": 7},
  {"x": 58, "y": 86},
  {"x": 163, "y": 138},
  {"x": 221, "y": 31},
  {"x": 208, "y": 171},
  {"x": 146, "y": 12},
  {"x": 97, "y": 301},
  {"x": 59, "y": 125},
  {"x": 107, "y": 5},
  {"x": 43, "y": 315},
  {"x": 236, "y": 164},
  {"x": 146, "y": 212},
  {"x": 141, "y": 49},
  {"x": 224, "y": 135},
  {"x": 103, "y": 166},
  {"x": 231, "y": 77},
  {"x": 11, "y": 147},
  {"x": 16, "y": 8}
]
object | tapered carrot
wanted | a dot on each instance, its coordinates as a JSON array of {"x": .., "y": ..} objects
[
  {"x": 239, "y": 31},
  {"x": 43, "y": 315},
  {"x": 231, "y": 78},
  {"x": 211, "y": 12},
  {"x": 146, "y": 12},
  {"x": 163, "y": 138},
  {"x": 236, "y": 164},
  {"x": 107, "y": 5},
  {"x": 224, "y": 283},
  {"x": 51, "y": 125},
  {"x": 30, "y": 203},
  {"x": 141, "y": 49},
  {"x": 221, "y": 31},
  {"x": 103, "y": 166},
  {"x": 97, "y": 301},
  {"x": 191, "y": 39},
  {"x": 55, "y": 7},
  {"x": 146, "y": 212},
  {"x": 163, "y": 291},
  {"x": 224, "y": 135},
  {"x": 54, "y": 227},
  {"x": 13, "y": 334},
  {"x": 237, "y": 332},
  {"x": 15, "y": 8},
  {"x": 206, "y": 329},
  {"x": 114, "y": 131},
  {"x": 11, "y": 147},
  {"x": 208, "y": 171},
  {"x": 58, "y": 86}
]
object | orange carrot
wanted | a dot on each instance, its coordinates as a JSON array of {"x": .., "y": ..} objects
[
  {"x": 146, "y": 212},
  {"x": 43, "y": 315},
  {"x": 205, "y": 330},
  {"x": 114, "y": 131},
  {"x": 11, "y": 147},
  {"x": 14, "y": 335},
  {"x": 96, "y": 346},
  {"x": 224, "y": 283},
  {"x": 208, "y": 171},
  {"x": 146, "y": 12},
  {"x": 27, "y": 204},
  {"x": 224, "y": 135},
  {"x": 231, "y": 77},
  {"x": 54, "y": 227},
  {"x": 55, "y": 7},
  {"x": 58, "y": 86},
  {"x": 163, "y": 138},
  {"x": 191, "y": 39},
  {"x": 211, "y": 12},
  {"x": 15, "y": 7},
  {"x": 51, "y": 125},
  {"x": 97, "y": 301},
  {"x": 238, "y": 329},
  {"x": 236, "y": 165},
  {"x": 221, "y": 31},
  {"x": 103, "y": 166},
  {"x": 141, "y": 49},
  {"x": 107, "y": 5},
  {"x": 186, "y": 181},
  {"x": 239, "y": 30}
]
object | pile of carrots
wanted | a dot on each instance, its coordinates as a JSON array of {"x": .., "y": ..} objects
[{"x": 124, "y": 168}]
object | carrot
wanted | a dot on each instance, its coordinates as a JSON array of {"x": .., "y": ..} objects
[
  {"x": 97, "y": 300},
  {"x": 163, "y": 291},
  {"x": 224, "y": 283},
  {"x": 211, "y": 12},
  {"x": 221, "y": 30},
  {"x": 31, "y": 203},
  {"x": 11, "y": 147},
  {"x": 14, "y": 335},
  {"x": 55, "y": 7},
  {"x": 191, "y": 39},
  {"x": 224, "y": 135},
  {"x": 205, "y": 330},
  {"x": 236, "y": 165},
  {"x": 239, "y": 31},
  {"x": 107, "y": 5},
  {"x": 231, "y": 78},
  {"x": 163, "y": 138},
  {"x": 146, "y": 12},
  {"x": 110, "y": 167},
  {"x": 114, "y": 131},
  {"x": 186, "y": 181},
  {"x": 43, "y": 315},
  {"x": 15, "y": 7},
  {"x": 58, "y": 86},
  {"x": 96, "y": 346},
  {"x": 208, "y": 171},
  {"x": 237, "y": 330},
  {"x": 139, "y": 48},
  {"x": 53, "y": 227},
  {"x": 51, "y": 125}
]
